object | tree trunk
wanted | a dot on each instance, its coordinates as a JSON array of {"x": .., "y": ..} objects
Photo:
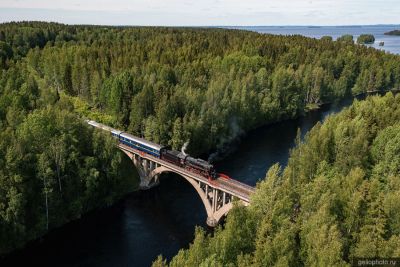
[
  {"x": 58, "y": 176},
  {"x": 47, "y": 205}
]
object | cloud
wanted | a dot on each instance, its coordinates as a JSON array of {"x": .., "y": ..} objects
[{"x": 205, "y": 12}]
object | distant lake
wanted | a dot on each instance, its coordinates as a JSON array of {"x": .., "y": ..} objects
[{"x": 392, "y": 43}]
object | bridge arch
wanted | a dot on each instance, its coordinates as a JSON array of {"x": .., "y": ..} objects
[
  {"x": 195, "y": 184},
  {"x": 216, "y": 202}
]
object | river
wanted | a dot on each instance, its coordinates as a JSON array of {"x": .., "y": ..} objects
[{"x": 161, "y": 220}]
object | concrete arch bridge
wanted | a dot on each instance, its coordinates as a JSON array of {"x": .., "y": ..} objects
[{"x": 217, "y": 195}]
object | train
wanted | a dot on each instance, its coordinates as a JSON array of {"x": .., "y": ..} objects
[{"x": 177, "y": 158}]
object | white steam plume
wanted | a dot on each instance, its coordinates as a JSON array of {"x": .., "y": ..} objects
[{"x": 184, "y": 147}]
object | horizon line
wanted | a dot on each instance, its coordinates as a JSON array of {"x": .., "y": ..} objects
[{"x": 199, "y": 26}]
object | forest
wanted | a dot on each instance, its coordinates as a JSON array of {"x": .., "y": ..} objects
[
  {"x": 338, "y": 199},
  {"x": 169, "y": 85}
]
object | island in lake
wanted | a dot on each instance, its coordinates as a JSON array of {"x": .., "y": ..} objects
[
  {"x": 366, "y": 39},
  {"x": 394, "y": 32}
]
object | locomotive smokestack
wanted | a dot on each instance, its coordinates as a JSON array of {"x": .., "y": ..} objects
[{"x": 185, "y": 145}]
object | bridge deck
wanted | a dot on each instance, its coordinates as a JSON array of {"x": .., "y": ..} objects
[{"x": 231, "y": 186}]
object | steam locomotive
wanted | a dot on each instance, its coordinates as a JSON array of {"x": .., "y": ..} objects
[{"x": 180, "y": 159}]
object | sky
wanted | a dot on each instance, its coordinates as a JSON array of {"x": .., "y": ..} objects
[{"x": 204, "y": 12}]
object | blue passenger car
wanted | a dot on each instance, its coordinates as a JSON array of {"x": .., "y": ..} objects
[
  {"x": 140, "y": 144},
  {"x": 131, "y": 140}
]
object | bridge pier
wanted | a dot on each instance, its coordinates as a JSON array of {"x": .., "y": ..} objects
[
  {"x": 212, "y": 222},
  {"x": 145, "y": 168},
  {"x": 216, "y": 201}
]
